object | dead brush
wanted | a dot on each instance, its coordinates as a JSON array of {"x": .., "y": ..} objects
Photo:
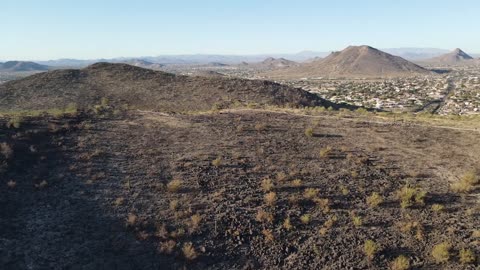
[
  {"x": 189, "y": 251},
  {"x": 264, "y": 217},
  {"x": 410, "y": 196},
  {"x": 323, "y": 204},
  {"x": 267, "y": 184},
  {"x": 6, "y": 150},
  {"x": 325, "y": 152},
  {"x": 194, "y": 223},
  {"x": 174, "y": 185},
  {"x": 310, "y": 193},
  {"x": 167, "y": 247},
  {"x": 466, "y": 183},
  {"x": 270, "y": 198}
]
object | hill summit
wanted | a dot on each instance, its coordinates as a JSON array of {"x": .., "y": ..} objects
[
  {"x": 356, "y": 61},
  {"x": 453, "y": 57}
]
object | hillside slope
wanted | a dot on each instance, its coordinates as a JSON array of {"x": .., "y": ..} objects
[{"x": 144, "y": 89}]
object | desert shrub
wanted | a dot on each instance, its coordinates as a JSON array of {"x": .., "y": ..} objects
[
  {"x": 400, "y": 263},
  {"x": 263, "y": 216},
  {"x": 412, "y": 227},
  {"x": 119, "y": 201},
  {"x": 217, "y": 162},
  {"x": 306, "y": 218},
  {"x": 6, "y": 150},
  {"x": 268, "y": 234},
  {"x": 167, "y": 247},
  {"x": 293, "y": 199},
  {"x": 174, "y": 205},
  {"x": 310, "y": 193},
  {"x": 297, "y": 183},
  {"x": 466, "y": 183},
  {"x": 281, "y": 177},
  {"x": 195, "y": 221},
  {"x": 15, "y": 122},
  {"x": 438, "y": 207},
  {"x": 189, "y": 251},
  {"x": 178, "y": 233},
  {"x": 476, "y": 234},
  {"x": 174, "y": 185},
  {"x": 325, "y": 152},
  {"x": 441, "y": 252},
  {"x": 267, "y": 184},
  {"x": 357, "y": 221},
  {"x": 271, "y": 198},
  {"x": 344, "y": 190},
  {"x": 374, "y": 200},
  {"x": 309, "y": 132},
  {"x": 370, "y": 248},
  {"x": 287, "y": 224},
  {"x": 260, "y": 127},
  {"x": 410, "y": 196},
  {"x": 323, "y": 204},
  {"x": 467, "y": 256},
  {"x": 131, "y": 220}
]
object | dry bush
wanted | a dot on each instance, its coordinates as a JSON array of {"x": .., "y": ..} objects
[
  {"x": 370, "y": 248},
  {"x": 438, "y": 207},
  {"x": 357, "y": 220},
  {"x": 174, "y": 185},
  {"x": 467, "y": 256},
  {"x": 217, "y": 162},
  {"x": 15, "y": 122},
  {"x": 374, "y": 200},
  {"x": 323, "y": 204},
  {"x": 344, "y": 190},
  {"x": 195, "y": 221},
  {"x": 297, "y": 183},
  {"x": 412, "y": 227},
  {"x": 167, "y": 247},
  {"x": 309, "y": 132},
  {"x": 178, "y": 233},
  {"x": 311, "y": 193},
  {"x": 306, "y": 218},
  {"x": 11, "y": 184},
  {"x": 6, "y": 150},
  {"x": 131, "y": 220},
  {"x": 281, "y": 177},
  {"x": 466, "y": 183},
  {"x": 441, "y": 252},
  {"x": 476, "y": 234},
  {"x": 268, "y": 235},
  {"x": 119, "y": 201},
  {"x": 325, "y": 152},
  {"x": 174, "y": 204},
  {"x": 271, "y": 198},
  {"x": 189, "y": 251},
  {"x": 161, "y": 231},
  {"x": 293, "y": 199},
  {"x": 287, "y": 224},
  {"x": 267, "y": 184},
  {"x": 263, "y": 216},
  {"x": 400, "y": 263},
  {"x": 410, "y": 196},
  {"x": 260, "y": 127}
]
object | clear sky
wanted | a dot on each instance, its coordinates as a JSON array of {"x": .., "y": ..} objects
[{"x": 51, "y": 29}]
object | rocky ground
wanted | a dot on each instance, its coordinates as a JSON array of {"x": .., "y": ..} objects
[{"x": 237, "y": 189}]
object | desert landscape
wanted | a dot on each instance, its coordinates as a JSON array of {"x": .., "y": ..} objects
[{"x": 362, "y": 157}]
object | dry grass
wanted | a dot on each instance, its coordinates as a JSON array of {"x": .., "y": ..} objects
[
  {"x": 357, "y": 221},
  {"x": 323, "y": 204},
  {"x": 374, "y": 200},
  {"x": 297, "y": 183},
  {"x": 167, "y": 247},
  {"x": 131, "y": 220},
  {"x": 466, "y": 184},
  {"x": 441, "y": 252},
  {"x": 438, "y": 208},
  {"x": 325, "y": 152},
  {"x": 174, "y": 204},
  {"x": 270, "y": 198},
  {"x": 217, "y": 162},
  {"x": 263, "y": 216},
  {"x": 267, "y": 184},
  {"x": 268, "y": 234},
  {"x": 311, "y": 193},
  {"x": 174, "y": 185},
  {"x": 118, "y": 201},
  {"x": 287, "y": 224},
  {"x": 370, "y": 248},
  {"x": 309, "y": 132},
  {"x": 306, "y": 218},
  {"x": 195, "y": 221},
  {"x": 400, "y": 263},
  {"x": 189, "y": 251},
  {"x": 467, "y": 256},
  {"x": 6, "y": 150},
  {"x": 410, "y": 196}
]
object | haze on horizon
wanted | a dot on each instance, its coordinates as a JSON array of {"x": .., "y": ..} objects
[{"x": 53, "y": 29}]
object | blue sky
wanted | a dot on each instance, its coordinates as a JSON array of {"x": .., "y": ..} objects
[{"x": 51, "y": 29}]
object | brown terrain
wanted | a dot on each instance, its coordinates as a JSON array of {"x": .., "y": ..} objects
[
  {"x": 454, "y": 57},
  {"x": 353, "y": 62},
  {"x": 168, "y": 183}
]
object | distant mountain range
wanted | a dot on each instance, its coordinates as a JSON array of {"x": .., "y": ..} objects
[
  {"x": 412, "y": 54},
  {"x": 457, "y": 56},
  {"x": 17, "y": 66}
]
